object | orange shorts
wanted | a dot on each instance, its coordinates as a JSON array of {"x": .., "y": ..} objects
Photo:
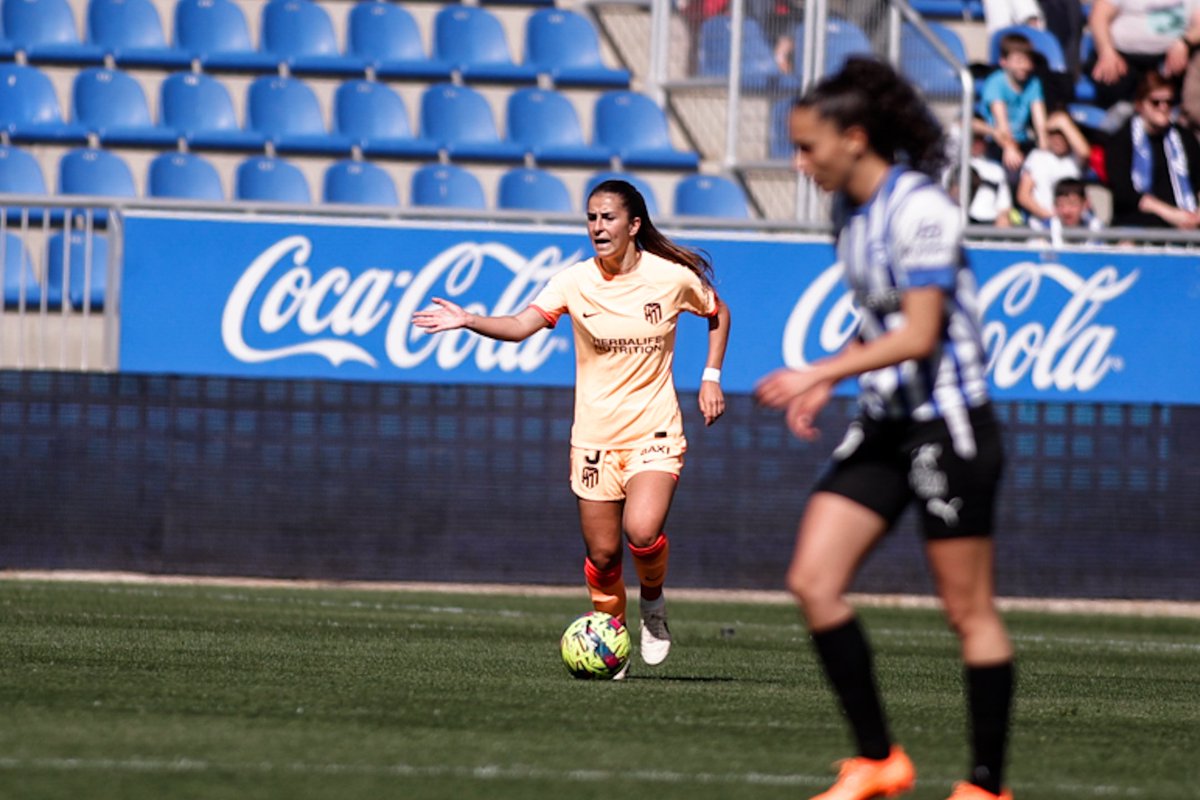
[{"x": 603, "y": 474}]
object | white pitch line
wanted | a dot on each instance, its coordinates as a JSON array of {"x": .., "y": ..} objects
[
  {"x": 487, "y": 772},
  {"x": 139, "y": 589},
  {"x": 1146, "y": 608}
]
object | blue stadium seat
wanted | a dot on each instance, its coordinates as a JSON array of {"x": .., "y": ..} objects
[
  {"x": 460, "y": 120},
  {"x": 300, "y": 33},
  {"x": 472, "y": 40},
  {"x": 374, "y": 118},
  {"x": 842, "y": 39},
  {"x": 921, "y": 64},
  {"x": 132, "y": 32},
  {"x": 111, "y": 104},
  {"x": 527, "y": 189},
  {"x": 29, "y": 110},
  {"x": 545, "y": 124},
  {"x": 635, "y": 127},
  {"x": 563, "y": 44},
  {"x": 46, "y": 31},
  {"x": 184, "y": 176},
  {"x": 386, "y": 36},
  {"x": 710, "y": 196},
  {"x": 446, "y": 186},
  {"x": 359, "y": 182},
  {"x": 71, "y": 253},
  {"x": 199, "y": 107},
  {"x": 942, "y": 9},
  {"x": 19, "y": 172},
  {"x": 270, "y": 179},
  {"x": 216, "y": 33},
  {"x": 759, "y": 69},
  {"x": 19, "y": 280},
  {"x": 638, "y": 183},
  {"x": 91, "y": 171},
  {"x": 1088, "y": 117},
  {"x": 286, "y": 111},
  {"x": 1043, "y": 41}
]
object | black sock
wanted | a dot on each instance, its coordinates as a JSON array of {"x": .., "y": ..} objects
[
  {"x": 989, "y": 701},
  {"x": 847, "y": 659}
]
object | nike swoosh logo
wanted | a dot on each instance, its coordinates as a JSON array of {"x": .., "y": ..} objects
[{"x": 587, "y": 314}]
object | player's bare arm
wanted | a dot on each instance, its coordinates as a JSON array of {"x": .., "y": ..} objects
[
  {"x": 448, "y": 316},
  {"x": 916, "y": 339},
  {"x": 712, "y": 399}
]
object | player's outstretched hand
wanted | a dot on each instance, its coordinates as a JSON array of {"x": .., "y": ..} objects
[
  {"x": 712, "y": 401},
  {"x": 445, "y": 317}
]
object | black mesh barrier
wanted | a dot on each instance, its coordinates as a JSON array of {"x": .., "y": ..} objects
[{"x": 332, "y": 480}]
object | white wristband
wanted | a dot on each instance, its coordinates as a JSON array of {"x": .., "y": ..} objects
[{"x": 711, "y": 374}]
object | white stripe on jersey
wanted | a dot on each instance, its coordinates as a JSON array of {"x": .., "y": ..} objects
[{"x": 909, "y": 235}]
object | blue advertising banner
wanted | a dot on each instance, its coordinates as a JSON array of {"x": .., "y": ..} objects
[{"x": 310, "y": 299}]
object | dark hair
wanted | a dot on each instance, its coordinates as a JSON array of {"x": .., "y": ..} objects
[
  {"x": 871, "y": 95},
  {"x": 1070, "y": 186},
  {"x": 1151, "y": 80},
  {"x": 650, "y": 238},
  {"x": 1015, "y": 43}
]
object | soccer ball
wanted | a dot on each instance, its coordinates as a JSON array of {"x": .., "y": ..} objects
[{"x": 595, "y": 645}]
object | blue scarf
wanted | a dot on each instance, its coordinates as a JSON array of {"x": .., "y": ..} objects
[{"x": 1177, "y": 166}]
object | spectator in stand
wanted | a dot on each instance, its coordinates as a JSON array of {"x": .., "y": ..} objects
[
  {"x": 1134, "y": 37},
  {"x": 999, "y": 14},
  {"x": 990, "y": 201},
  {"x": 1013, "y": 106},
  {"x": 1072, "y": 210},
  {"x": 1153, "y": 165},
  {"x": 1065, "y": 19},
  {"x": 1064, "y": 156},
  {"x": 778, "y": 20}
]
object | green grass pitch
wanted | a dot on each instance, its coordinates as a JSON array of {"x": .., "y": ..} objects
[{"x": 143, "y": 691}]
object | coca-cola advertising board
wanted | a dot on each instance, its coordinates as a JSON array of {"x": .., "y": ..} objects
[{"x": 268, "y": 297}]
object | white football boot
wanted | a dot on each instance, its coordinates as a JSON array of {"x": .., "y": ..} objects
[{"x": 656, "y": 636}]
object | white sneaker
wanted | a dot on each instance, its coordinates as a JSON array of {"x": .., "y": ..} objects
[
  {"x": 620, "y": 676},
  {"x": 656, "y": 636}
]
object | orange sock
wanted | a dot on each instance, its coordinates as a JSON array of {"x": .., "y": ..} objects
[
  {"x": 607, "y": 588},
  {"x": 651, "y": 561}
]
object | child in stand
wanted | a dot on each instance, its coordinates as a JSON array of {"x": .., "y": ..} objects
[
  {"x": 1065, "y": 155},
  {"x": 1072, "y": 210},
  {"x": 1013, "y": 105}
]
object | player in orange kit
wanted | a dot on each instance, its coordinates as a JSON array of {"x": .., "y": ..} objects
[{"x": 627, "y": 440}]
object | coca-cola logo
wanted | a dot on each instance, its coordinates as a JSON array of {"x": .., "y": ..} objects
[
  {"x": 329, "y": 312},
  {"x": 1068, "y": 349}
]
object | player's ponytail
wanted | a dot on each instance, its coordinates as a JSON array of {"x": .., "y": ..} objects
[
  {"x": 650, "y": 238},
  {"x": 870, "y": 94}
]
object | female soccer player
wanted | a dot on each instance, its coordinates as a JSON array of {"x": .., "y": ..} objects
[
  {"x": 925, "y": 432},
  {"x": 627, "y": 441}
]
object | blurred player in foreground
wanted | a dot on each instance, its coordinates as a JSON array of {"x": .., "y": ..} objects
[
  {"x": 627, "y": 442},
  {"x": 925, "y": 433}
]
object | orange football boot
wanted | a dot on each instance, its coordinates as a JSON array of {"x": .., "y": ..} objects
[{"x": 863, "y": 778}]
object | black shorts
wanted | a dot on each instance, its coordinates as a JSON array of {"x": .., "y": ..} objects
[{"x": 886, "y": 464}]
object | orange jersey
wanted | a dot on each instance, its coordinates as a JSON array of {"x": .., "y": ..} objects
[{"x": 625, "y": 346}]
